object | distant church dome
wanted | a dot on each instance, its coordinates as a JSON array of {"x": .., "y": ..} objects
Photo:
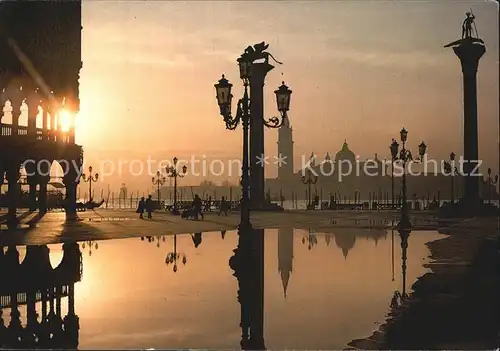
[
  {"x": 345, "y": 153},
  {"x": 345, "y": 240}
]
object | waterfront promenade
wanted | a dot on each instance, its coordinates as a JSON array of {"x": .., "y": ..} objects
[{"x": 114, "y": 224}]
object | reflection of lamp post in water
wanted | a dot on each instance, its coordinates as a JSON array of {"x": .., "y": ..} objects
[
  {"x": 312, "y": 239},
  {"x": 172, "y": 257},
  {"x": 90, "y": 179},
  {"x": 309, "y": 179},
  {"x": 91, "y": 244},
  {"x": 172, "y": 172},
  {"x": 404, "y": 233},
  {"x": 158, "y": 181},
  {"x": 392, "y": 248}
]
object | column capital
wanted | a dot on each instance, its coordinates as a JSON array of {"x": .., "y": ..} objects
[
  {"x": 259, "y": 72},
  {"x": 469, "y": 55}
]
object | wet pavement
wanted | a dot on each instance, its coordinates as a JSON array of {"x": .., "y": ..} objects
[
  {"x": 35, "y": 229},
  {"x": 320, "y": 290}
]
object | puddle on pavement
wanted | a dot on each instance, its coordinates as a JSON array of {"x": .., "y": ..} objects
[
  {"x": 111, "y": 219},
  {"x": 298, "y": 289},
  {"x": 21, "y": 226}
]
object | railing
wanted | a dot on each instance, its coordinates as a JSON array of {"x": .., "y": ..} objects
[
  {"x": 6, "y": 130},
  {"x": 22, "y": 297}
]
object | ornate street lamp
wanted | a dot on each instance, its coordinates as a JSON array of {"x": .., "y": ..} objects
[
  {"x": 91, "y": 244},
  {"x": 394, "y": 153},
  {"x": 173, "y": 256},
  {"x": 90, "y": 179},
  {"x": 224, "y": 99},
  {"x": 406, "y": 156},
  {"x": 172, "y": 172},
  {"x": 158, "y": 181},
  {"x": 309, "y": 179},
  {"x": 491, "y": 183}
]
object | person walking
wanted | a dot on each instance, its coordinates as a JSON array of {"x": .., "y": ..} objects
[
  {"x": 140, "y": 208},
  {"x": 197, "y": 205},
  {"x": 149, "y": 207},
  {"x": 223, "y": 206}
]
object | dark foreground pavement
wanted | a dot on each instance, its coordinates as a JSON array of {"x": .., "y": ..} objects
[{"x": 456, "y": 306}]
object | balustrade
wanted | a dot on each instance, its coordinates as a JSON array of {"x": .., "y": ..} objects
[{"x": 6, "y": 130}]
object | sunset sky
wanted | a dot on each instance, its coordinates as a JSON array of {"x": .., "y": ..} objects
[{"x": 359, "y": 71}]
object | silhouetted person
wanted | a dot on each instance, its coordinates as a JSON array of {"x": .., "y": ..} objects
[
  {"x": 140, "y": 208},
  {"x": 396, "y": 300},
  {"x": 268, "y": 198},
  {"x": 197, "y": 238},
  {"x": 149, "y": 207},
  {"x": 223, "y": 234},
  {"x": 197, "y": 205},
  {"x": 223, "y": 206}
]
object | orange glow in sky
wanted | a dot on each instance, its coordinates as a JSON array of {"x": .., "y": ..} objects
[{"x": 358, "y": 70}]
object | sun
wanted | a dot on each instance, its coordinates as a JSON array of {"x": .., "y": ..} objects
[{"x": 66, "y": 120}]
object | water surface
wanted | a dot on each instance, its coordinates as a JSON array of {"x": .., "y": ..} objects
[{"x": 320, "y": 290}]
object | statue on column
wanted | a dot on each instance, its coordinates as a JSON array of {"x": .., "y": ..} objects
[
  {"x": 467, "y": 25},
  {"x": 258, "y": 52},
  {"x": 467, "y": 32}
]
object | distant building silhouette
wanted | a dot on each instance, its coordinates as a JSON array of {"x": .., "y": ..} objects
[
  {"x": 376, "y": 185},
  {"x": 285, "y": 256}
]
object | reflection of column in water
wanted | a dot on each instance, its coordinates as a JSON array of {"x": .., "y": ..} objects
[
  {"x": 248, "y": 265},
  {"x": 392, "y": 248},
  {"x": 404, "y": 234}
]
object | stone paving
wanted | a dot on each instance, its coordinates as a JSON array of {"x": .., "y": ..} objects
[{"x": 109, "y": 224}]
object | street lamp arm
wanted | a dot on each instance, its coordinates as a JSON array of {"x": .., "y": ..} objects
[
  {"x": 233, "y": 122},
  {"x": 275, "y": 122}
]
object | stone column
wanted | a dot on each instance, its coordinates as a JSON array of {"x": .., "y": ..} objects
[
  {"x": 469, "y": 54},
  {"x": 42, "y": 195},
  {"x": 2, "y": 104},
  {"x": 257, "y": 80},
  {"x": 45, "y": 119},
  {"x": 33, "y": 101},
  {"x": 32, "y": 183},
  {"x": 70, "y": 182},
  {"x": 16, "y": 102},
  {"x": 53, "y": 127},
  {"x": 13, "y": 192}
]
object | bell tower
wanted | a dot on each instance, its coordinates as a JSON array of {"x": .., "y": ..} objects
[{"x": 285, "y": 153}]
